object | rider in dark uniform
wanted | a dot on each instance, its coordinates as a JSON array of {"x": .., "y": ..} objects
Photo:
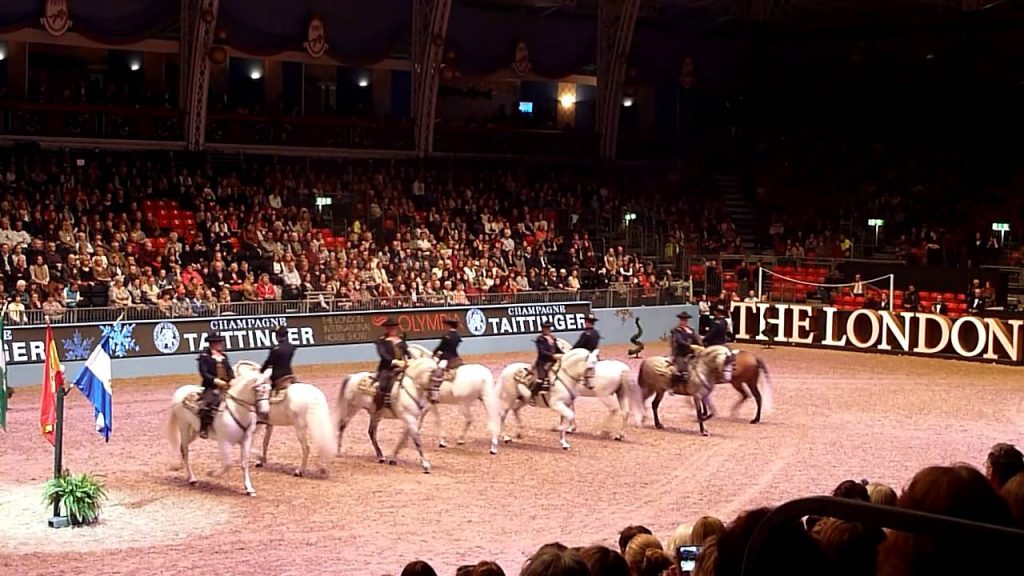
[
  {"x": 280, "y": 359},
  {"x": 447, "y": 351},
  {"x": 392, "y": 350},
  {"x": 682, "y": 337},
  {"x": 718, "y": 335},
  {"x": 547, "y": 354},
  {"x": 590, "y": 338},
  {"x": 215, "y": 369}
]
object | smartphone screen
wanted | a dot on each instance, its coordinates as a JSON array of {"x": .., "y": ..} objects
[{"x": 687, "y": 557}]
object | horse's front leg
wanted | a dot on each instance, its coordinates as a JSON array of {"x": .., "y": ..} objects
[
  {"x": 467, "y": 417},
  {"x": 262, "y": 460},
  {"x": 698, "y": 404},
  {"x": 568, "y": 417},
  {"x": 412, "y": 431},
  {"x": 246, "y": 451},
  {"x": 185, "y": 437},
  {"x": 301, "y": 433},
  {"x": 658, "y": 396},
  {"x": 442, "y": 441},
  {"x": 374, "y": 422}
]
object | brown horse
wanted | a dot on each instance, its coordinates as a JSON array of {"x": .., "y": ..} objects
[{"x": 746, "y": 372}]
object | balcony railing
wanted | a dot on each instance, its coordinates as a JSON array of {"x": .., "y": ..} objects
[
  {"x": 90, "y": 121},
  {"x": 505, "y": 141},
  {"x": 322, "y": 303},
  {"x": 310, "y": 132}
]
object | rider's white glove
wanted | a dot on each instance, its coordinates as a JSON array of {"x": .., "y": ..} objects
[{"x": 442, "y": 364}]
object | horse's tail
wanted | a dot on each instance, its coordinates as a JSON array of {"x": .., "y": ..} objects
[
  {"x": 767, "y": 394},
  {"x": 322, "y": 432},
  {"x": 173, "y": 432},
  {"x": 341, "y": 411},
  {"x": 631, "y": 397},
  {"x": 644, "y": 384}
]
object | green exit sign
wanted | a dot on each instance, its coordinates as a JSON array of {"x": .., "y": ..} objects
[
  {"x": 876, "y": 222},
  {"x": 1000, "y": 227}
]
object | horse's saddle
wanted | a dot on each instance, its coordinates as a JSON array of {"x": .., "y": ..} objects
[
  {"x": 367, "y": 384},
  {"x": 192, "y": 402},
  {"x": 448, "y": 375},
  {"x": 664, "y": 367}
]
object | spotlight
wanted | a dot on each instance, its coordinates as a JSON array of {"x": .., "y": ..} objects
[{"x": 255, "y": 74}]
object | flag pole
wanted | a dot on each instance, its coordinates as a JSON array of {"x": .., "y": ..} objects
[{"x": 58, "y": 444}]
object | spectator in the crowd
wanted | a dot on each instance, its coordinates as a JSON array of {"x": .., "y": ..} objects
[
  {"x": 604, "y": 561},
  {"x": 961, "y": 492},
  {"x": 418, "y": 568},
  {"x": 1004, "y": 461},
  {"x": 881, "y": 494},
  {"x": 628, "y": 533}
]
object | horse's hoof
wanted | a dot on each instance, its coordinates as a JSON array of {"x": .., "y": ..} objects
[
  {"x": 659, "y": 426},
  {"x": 755, "y": 421},
  {"x": 392, "y": 462},
  {"x": 251, "y": 492},
  {"x": 193, "y": 482},
  {"x": 705, "y": 433},
  {"x": 460, "y": 442},
  {"x": 297, "y": 473},
  {"x": 381, "y": 460},
  {"x": 617, "y": 437},
  {"x": 442, "y": 444},
  {"x": 507, "y": 439},
  {"x": 426, "y": 467},
  {"x": 565, "y": 445},
  {"x": 494, "y": 450}
]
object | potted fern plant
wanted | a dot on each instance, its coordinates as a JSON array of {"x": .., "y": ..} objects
[{"x": 80, "y": 495}]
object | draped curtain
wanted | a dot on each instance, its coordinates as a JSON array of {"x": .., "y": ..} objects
[{"x": 108, "y": 21}]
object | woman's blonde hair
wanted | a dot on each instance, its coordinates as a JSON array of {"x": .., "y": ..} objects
[
  {"x": 646, "y": 557},
  {"x": 705, "y": 528},
  {"x": 881, "y": 494}
]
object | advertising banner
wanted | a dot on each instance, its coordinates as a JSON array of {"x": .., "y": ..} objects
[
  {"x": 187, "y": 336},
  {"x": 881, "y": 331}
]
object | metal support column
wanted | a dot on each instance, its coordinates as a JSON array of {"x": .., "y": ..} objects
[
  {"x": 430, "y": 28},
  {"x": 202, "y": 23},
  {"x": 616, "y": 20}
]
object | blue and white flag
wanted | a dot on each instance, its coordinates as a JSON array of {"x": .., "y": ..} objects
[{"x": 94, "y": 382}]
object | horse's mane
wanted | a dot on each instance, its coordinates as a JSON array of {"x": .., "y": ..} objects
[{"x": 563, "y": 345}]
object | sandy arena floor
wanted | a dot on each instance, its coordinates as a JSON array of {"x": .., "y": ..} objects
[{"x": 837, "y": 415}]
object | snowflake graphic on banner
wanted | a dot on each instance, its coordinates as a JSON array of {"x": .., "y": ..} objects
[
  {"x": 122, "y": 341},
  {"x": 77, "y": 347}
]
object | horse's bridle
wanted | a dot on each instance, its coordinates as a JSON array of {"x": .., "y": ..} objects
[{"x": 251, "y": 406}]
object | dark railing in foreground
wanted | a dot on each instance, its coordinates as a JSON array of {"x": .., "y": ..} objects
[
  {"x": 322, "y": 303},
  {"x": 873, "y": 514}
]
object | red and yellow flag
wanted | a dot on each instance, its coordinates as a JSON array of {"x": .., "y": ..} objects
[{"x": 53, "y": 382}]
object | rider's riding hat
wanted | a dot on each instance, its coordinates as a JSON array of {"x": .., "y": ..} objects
[
  {"x": 214, "y": 338},
  {"x": 684, "y": 315}
]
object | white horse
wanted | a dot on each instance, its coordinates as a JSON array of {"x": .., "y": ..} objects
[
  {"x": 305, "y": 407},
  {"x": 575, "y": 367},
  {"x": 408, "y": 404},
  {"x": 473, "y": 383},
  {"x": 233, "y": 425},
  {"x": 614, "y": 386}
]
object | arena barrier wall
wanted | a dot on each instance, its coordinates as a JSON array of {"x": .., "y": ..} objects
[
  {"x": 972, "y": 338},
  {"x": 151, "y": 348}
]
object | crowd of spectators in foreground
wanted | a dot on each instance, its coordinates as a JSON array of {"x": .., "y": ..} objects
[
  {"x": 149, "y": 232},
  {"x": 816, "y": 546}
]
